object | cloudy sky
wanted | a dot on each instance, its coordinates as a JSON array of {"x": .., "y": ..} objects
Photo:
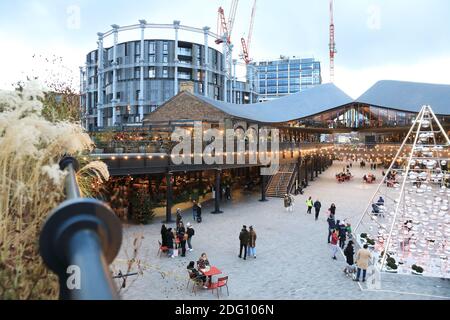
[{"x": 376, "y": 39}]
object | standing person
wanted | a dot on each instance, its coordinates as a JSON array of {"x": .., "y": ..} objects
[
  {"x": 170, "y": 239},
  {"x": 199, "y": 213},
  {"x": 333, "y": 209},
  {"x": 252, "y": 242},
  {"x": 334, "y": 242},
  {"x": 181, "y": 231},
  {"x": 362, "y": 261},
  {"x": 342, "y": 233},
  {"x": 349, "y": 252},
  {"x": 228, "y": 192},
  {"x": 291, "y": 202},
  {"x": 317, "y": 206},
  {"x": 309, "y": 204},
  {"x": 179, "y": 217},
  {"x": 331, "y": 226},
  {"x": 286, "y": 201},
  {"x": 190, "y": 233},
  {"x": 243, "y": 238},
  {"x": 164, "y": 236},
  {"x": 194, "y": 210}
]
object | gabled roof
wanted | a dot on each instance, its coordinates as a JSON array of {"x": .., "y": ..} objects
[
  {"x": 408, "y": 96},
  {"x": 295, "y": 106}
]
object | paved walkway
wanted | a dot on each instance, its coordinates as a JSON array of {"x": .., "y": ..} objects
[{"x": 293, "y": 257}]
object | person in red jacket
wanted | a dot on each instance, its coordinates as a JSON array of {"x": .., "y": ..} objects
[{"x": 334, "y": 242}]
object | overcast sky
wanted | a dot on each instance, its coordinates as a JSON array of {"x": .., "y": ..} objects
[{"x": 375, "y": 39}]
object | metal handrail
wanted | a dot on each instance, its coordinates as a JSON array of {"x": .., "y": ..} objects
[{"x": 80, "y": 238}]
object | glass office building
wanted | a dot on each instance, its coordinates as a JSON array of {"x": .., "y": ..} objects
[{"x": 281, "y": 77}]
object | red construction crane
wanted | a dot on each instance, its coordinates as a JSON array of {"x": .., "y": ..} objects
[
  {"x": 332, "y": 44},
  {"x": 222, "y": 25},
  {"x": 246, "y": 44}
]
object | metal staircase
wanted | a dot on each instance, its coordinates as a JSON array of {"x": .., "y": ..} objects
[{"x": 282, "y": 182}]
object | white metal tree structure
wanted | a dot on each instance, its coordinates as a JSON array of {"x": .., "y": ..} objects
[{"x": 407, "y": 221}]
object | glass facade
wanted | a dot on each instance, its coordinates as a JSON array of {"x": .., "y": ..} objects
[{"x": 282, "y": 77}]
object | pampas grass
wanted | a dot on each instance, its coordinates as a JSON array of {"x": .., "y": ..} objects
[{"x": 31, "y": 185}]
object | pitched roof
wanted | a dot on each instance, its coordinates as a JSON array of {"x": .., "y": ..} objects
[
  {"x": 408, "y": 96},
  {"x": 295, "y": 106}
]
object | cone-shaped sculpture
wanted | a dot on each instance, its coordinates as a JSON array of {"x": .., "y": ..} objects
[{"x": 407, "y": 220}]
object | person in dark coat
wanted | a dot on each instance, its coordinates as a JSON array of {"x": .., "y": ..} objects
[
  {"x": 333, "y": 209},
  {"x": 317, "y": 206},
  {"x": 164, "y": 235},
  {"x": 199, "y": 213},
  {"x": 243, "y": 238},
  {"x": 349, "y": 253},
  {"x": 169, "y": 239},
  {"x": 331, "y": 226},
  {"x": 342, "y": 230},
  {"x": 181, "y": 231}
]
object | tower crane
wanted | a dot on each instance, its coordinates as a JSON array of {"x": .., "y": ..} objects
[
  {"x": 246, "y": 44},
  {"x": 332, "y": 44},
  {"x": 224, "y": 26}
]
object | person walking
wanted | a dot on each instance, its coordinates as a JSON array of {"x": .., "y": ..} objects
[
  {"x": 349, "y": 253},
  {"x": 194, "y": 210},
  {"x": 243, "y": 238},
  {"x": 252, "y": 242},
  {"x": 309, "y": 204},
  {"x": 190, "y": 233},
  {"x": 317, "y": 206},
  {"x": 334, "y": 242},
  {"x": 331, "y": 226},
  {"x": 362, "y": 262},
  {"x": 228, "y": 192},
  {"x": 333, "y": 209}
]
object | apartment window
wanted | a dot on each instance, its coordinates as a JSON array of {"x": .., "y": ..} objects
[
  {"x": 152, "y": 58},
  {"x": 165, "y": 58},
  {"x": 118, "y": 96},
  {"x": 165, "y": 47},
  {"x": 137, "y": 73},
  {"x": 137, "y": 47},
  {"x": 152, "y": 47},
  {"x": 165, "y": 72},
  {"x": 151, "y": 72},
  {"x": 184, "y": 75},
  {"x": 138, "y": 92},
  {"x": 126, "y": 49}
]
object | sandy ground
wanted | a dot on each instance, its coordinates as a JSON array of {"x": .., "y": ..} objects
[{"x": 293, "y": 256}]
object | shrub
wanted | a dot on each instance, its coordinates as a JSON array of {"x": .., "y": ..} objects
[
  {"x": 363, "y": 235},
  {"x": 417, "y": 268}
]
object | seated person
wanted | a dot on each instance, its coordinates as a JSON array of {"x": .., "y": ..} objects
[
  {"x": 380, "y": 201},
  {"x": 203, "y": 262},
  {"x": 195, "y": 274},
  {"x": 375, "y": 208},
  {"x": 365, "y": 178}
]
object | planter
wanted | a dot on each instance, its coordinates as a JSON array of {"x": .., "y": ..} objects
[
  {"x": 118, "y": 150},
  {"x": 416, "y": 273},
  {"x": 97, "y": 150}
]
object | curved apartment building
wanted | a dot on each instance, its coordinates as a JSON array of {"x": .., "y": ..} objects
[{"x": 122, "y": 83}]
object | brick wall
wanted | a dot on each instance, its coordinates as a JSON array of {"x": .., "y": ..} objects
[{"x": 187, "y": 107}]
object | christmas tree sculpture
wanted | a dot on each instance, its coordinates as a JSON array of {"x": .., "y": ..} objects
[{"x": 407, "y": 221}]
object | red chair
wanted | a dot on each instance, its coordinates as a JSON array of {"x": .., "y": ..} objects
[
  {"x": 162, "y": 248},
  {"x": 221, "y": 282}
]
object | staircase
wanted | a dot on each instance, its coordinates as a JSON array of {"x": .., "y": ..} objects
[{"x": 280, "y": 182}]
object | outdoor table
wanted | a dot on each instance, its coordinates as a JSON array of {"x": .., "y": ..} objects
[{"x": 211, "y": 272}]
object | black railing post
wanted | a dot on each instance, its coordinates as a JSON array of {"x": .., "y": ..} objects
[
  {"x": 169, "y": 197},
  {"x": 79, "y": 240},
  {"x": 217, "y": 192},
  {"x": 263, "y": 187}
]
